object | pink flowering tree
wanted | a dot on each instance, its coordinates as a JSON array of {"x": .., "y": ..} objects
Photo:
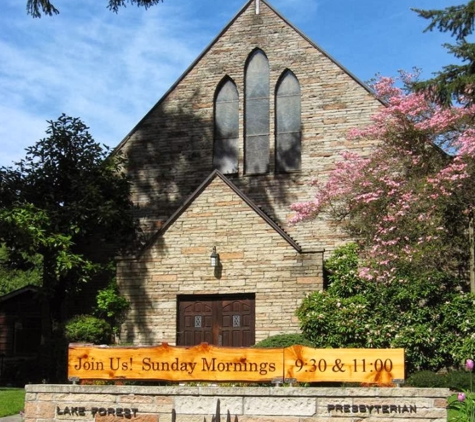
[{"x": 410, "y": 201}]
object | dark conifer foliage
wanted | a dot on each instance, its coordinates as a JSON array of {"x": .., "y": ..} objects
[
  {"x": 455, "y": 82},
  {"x": 36, "y": 7}
]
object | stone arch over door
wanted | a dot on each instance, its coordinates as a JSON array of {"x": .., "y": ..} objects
[{"x": 221, "y": 320}]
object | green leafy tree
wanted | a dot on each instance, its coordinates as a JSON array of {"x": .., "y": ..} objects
[
  {"x": 36, "y": 7},
  {"x": 68, "y": 203},
  {"x": 15, "y": 275},
  {"x": 454, "y": 82}
]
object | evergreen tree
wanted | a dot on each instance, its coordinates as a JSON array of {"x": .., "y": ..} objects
[{"x": 455, "y": 82}]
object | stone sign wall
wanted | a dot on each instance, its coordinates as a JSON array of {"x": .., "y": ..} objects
[{"x": 112, "y": 403}]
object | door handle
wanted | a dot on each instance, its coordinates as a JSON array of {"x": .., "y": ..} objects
[{"x": 220, "y": 340}]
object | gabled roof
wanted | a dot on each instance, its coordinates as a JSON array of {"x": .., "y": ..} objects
[
  {"x": 237, "y": 191},
  {"x": 26, "y": 289},
  {"x": 321, "y": 50}
]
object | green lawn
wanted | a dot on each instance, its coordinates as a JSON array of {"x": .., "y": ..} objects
[{"x": 12, "y": 400}]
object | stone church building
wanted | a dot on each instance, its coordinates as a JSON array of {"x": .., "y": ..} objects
[{"x": 215, "y": 165}]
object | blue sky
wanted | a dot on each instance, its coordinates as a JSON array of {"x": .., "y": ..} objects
[{"x": 110, "y": 69}]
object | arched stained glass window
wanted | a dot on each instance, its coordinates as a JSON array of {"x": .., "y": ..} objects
[
  {"x": 288, "y": 124},
  {"x": 226, "y": 123},
  {"x": 257, "y": 114}
]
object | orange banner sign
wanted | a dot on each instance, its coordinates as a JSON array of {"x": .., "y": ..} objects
[
  {"x": 210, "y": 363},
  {"x": 372, "y": 366},
  {"x": 198, "y": 363}
]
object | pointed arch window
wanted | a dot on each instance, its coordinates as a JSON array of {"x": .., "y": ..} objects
[
  {"x": 288, "y": 124},
  {"x": 226, "y": 124},
  {"x": 256, "y": 147}
]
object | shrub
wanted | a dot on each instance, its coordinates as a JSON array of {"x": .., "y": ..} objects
[
  {"x": 428, "y": 316},
  {"x": 284, "y": 340},
  {"x": 455, "y": 380},
  {"x": 87, "y": 329},
  {"x": 342, "y": 272},
  {"x": 426, "y": 379},
  {"x": 458, "y": 380}
]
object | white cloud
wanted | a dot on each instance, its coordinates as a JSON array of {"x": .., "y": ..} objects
[
  {"x": 107, "y": 69},
  {"x": 15, "y": 135}
]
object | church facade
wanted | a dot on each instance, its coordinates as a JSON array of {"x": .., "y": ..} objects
[{"x": 215, "y": 165}]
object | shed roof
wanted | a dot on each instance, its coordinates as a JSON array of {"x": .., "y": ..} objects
[{"x": 18, "y": 292}]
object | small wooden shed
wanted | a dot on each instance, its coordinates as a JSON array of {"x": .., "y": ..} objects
[{"x": 20, "y": 326}]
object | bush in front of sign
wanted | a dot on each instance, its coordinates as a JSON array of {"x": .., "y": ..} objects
[
  {"x": 454, "y": 380},
  {"x": 457, "y": 380},
  {"x": 427, "y": 379},
  {"x": 282, "y": 341},
  {"x": 87, "y": 329}
]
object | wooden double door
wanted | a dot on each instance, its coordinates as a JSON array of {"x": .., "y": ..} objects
[{"x": 221, "y": 320}]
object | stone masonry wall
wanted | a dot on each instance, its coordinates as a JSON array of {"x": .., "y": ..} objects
[
  {"x": 171, "y": 149},
  {"x": 255, "y": 258},
  {"x": 73, "y": 403}
]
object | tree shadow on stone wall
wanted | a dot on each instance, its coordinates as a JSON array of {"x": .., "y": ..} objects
[
  {"x": 136, "y": 287},
  {"x": 169, "y": 155},
  {"x": 214, "y": 418}
]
